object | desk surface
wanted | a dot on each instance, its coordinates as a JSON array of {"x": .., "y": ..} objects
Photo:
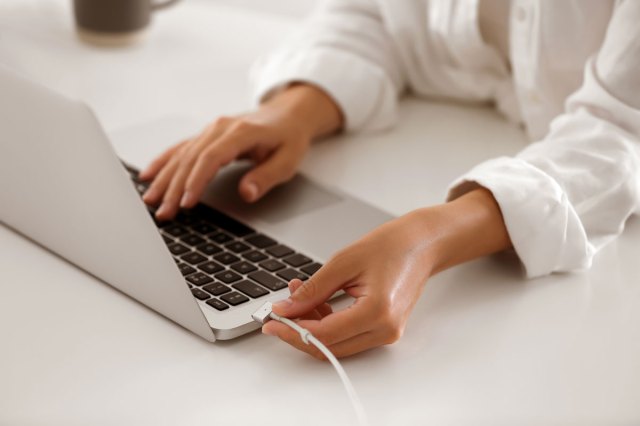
[{"x": 483, "y": 346}]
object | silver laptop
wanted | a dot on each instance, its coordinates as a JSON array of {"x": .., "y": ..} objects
[{"x": 63, "y": 187}]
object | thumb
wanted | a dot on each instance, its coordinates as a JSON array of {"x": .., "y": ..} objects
[
  {"x": 315, "y": 291},
  {"x": 276, "y": 169}
]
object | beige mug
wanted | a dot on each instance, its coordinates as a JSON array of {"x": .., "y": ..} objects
[{"x": 114, "y": 22}]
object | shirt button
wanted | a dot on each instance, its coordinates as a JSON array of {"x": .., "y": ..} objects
[{"x": 521, "y": 13}]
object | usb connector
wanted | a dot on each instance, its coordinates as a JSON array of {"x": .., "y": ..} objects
[
  {"x": 265, "y": 313},
  {"x": 262, "y": 314}
]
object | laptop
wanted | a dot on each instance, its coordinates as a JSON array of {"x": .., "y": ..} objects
[{"x": 63, "y": 187}]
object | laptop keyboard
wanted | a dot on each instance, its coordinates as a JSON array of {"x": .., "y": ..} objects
[{"x": 224, "y": 262}]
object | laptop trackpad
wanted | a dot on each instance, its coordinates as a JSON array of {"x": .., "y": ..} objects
[{"x": 299, "y": 196}]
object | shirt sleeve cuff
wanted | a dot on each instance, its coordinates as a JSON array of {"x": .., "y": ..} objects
[
  {"x": 543, "y": 226},
  {"x": 361, "y": 90}
]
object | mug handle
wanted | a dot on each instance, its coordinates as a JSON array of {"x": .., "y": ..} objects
[{"x": 155, "y": 5}]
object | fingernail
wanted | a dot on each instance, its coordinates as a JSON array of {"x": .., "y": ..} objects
[
  {"x": 283, "y": 304},
  {"x": 187, "y": 200},
  {"x": 268, "y": 331},
  {"x": 252, "y": 191},
  {"x": 149, "y": 195},
  {"x": 161, "y": 211},
  {"x": 143, "y": 174}
]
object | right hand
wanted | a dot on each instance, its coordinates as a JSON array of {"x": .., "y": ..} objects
[{"x": 275, "y": 137}]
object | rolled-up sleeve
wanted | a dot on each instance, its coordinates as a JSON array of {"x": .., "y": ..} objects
[
  {"x": 566, "y": 196},
  {"x": 346, "y": 51}
]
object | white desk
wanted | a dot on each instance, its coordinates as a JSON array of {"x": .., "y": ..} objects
[{"x": 484, "y": 346}]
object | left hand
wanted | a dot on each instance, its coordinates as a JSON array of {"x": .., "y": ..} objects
[{"x": 385, "y": 272}]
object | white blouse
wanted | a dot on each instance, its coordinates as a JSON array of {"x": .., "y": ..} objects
[{"x": 573, "y": 81}]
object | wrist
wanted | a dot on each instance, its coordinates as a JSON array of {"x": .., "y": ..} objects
[
  {"x": 461, "y": 230},
  {"x": 308, "y": 108}
]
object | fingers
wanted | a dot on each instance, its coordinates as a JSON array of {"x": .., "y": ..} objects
[
  {"x": 159, "y": 185},
  {"x": 276, "y": 169},
  {"x": 333, "y": 328},
  {"x": 175, "y": 189},
  {"x": 160, "y": 161},
  {"x": 318, "y": 289},
  {"x": 358, "y": 343},
  {"x": 229, "y": 146},
  {"x": 343, "y": 325},
  {"x": 317, "y": 314}
]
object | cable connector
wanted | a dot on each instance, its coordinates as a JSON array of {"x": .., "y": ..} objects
[
  {"x": 265, "y": 314},
  {"x": 262, "y": 314}
]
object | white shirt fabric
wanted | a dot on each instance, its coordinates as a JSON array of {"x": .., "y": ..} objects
[{"x": 573, "y": 81}]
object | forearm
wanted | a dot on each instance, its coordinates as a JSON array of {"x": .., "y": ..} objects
[
  {"x": 307, "y": 107},
  {"x": 461, "y": 230}
]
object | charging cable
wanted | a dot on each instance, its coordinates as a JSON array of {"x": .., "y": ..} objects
[{"x": 265, "y": 314}]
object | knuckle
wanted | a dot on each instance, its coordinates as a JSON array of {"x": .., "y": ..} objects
[
  {"x": 289, "y": 170},
  {"x": 208, "y": 155},
  {"x": 308, "y": 290},
  {"x": 242, "y": 126},
  {"x": 392, "y": 330},
  {"x": 344, "y": 258},
  {"x": 222, "y": 121},
  {"x": 393, "y": 334}
]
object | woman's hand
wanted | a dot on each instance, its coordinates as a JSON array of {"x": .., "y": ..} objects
[
  {"x": 275, "y": 137},
  {"x": 385, "y": 272}
]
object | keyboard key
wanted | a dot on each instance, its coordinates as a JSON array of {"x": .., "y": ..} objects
[
  {"x": 186, "y": 218},
  {"x": 311, "y": 269},
  {"x": 221, "y": 238},
  {"x": 267, "y": 280},
  {"x": 185, "y": 269},
  {"x": 199, "y": 279},
  {"x": 177, "y": 249},
  {"x": 279, "y": 251},
  {"x": 167, "y": 240},
  {"x": 192, "y": 239},
  {"x": 201, "y": 295},
  {"x": 255, "y": 256},
  {"x": 297, "y": 260},
  {"x": 208, "y": 249},
  {"x": 216, "y": 289},
  {"x": 289, "y": 274},
  {"x": 237, "y": 247},
  {"x": 217, "y": 304},
  {"x": 272, "y": 265},
  {"x": 210, "y": 267},
  {"x": 226, "y": 258},
  {"x": 142, "y": 188},
  {"x": 250, "y": 289},
  {"x": 223, "y": 221},
  {"x": 204, "y": 228},
  {"x": 243, "y": 267},
  {"x": 175, "y": 230},
  {"x": 234, "y": 298},
  {"x": 228, "y": 276},
  {"x": 132, "y": 171},
  {"x": 193, "y": 258},
  {"x": 261, "y": 241}
]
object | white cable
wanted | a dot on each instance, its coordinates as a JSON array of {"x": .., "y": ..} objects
[{"x": 307, "y": 337}]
